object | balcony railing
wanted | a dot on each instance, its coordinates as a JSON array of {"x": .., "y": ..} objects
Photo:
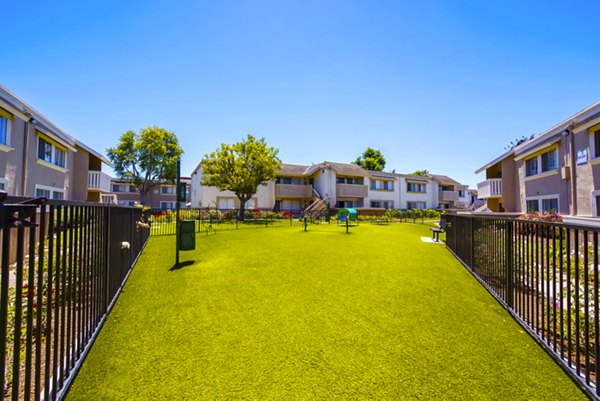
[
  {"x": 490, "y": 188},
  {"x": 448, "y": 196},
  {"x": 352, "y": 190},
  {"x": 98, "y": 181},
  {"x": 293, "y": 191}
]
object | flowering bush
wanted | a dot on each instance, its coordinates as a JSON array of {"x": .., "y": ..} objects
[
  {"x": 287, "y": 214},
  {"x": 551, "y": 216}
]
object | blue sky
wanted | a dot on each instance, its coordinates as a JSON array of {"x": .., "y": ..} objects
[{"x": 437, "y": 85}]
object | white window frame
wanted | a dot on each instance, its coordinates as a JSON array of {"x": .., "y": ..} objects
[
  {"x": 538, "y": 161},
  {"x": 424, "y": 204},
  {"x": 592, "y": 140},
  {"x": 9, "y": 117},
  {"x": 51, "y": 189},
  {"x": 172, "y": 187},
  {"x": 172, "y": 205},
  {"x": 4, "y": 183},
  {"x": 539, "y": 199},
  {"x": 593, "y": 195},
  {"x": 53, "y": 147},
  {"x": 416, "y": 186},
  {"x": 226, "y": 199}
]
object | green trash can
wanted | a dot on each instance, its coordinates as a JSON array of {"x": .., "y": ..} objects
[{"x": 187, "y": 236}]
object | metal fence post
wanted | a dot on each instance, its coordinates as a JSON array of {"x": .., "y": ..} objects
[
  {"x": 471, "y": 243},
  {"x": 509, "y": 264}
]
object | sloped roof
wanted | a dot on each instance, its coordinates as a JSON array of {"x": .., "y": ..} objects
[
  {"x": 292, "y": 169},
  {"x": 340, "y": 168},
  {"x": 578, "y": 118},
  {"x": 382, "y": 174},
  {"x": 444, "y": 179}
]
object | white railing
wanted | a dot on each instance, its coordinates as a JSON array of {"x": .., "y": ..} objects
[
  {"x": 490, "y": 188},
  {"x": 108, "y": 198},
  {"x": 98, "y": 181}
]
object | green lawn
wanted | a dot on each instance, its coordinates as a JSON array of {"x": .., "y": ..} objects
[{"x": 284, "y": 314}]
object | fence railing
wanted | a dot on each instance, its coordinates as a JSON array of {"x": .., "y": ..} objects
[
  {"x": 546, "y": 275},
  {"x": 63, "y": 265},
  {"x": 164, "y": 222}
]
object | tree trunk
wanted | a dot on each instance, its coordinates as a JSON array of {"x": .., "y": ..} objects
[
  {"x": 143, "y": 195},
  {"x": 242, "y": 210}
]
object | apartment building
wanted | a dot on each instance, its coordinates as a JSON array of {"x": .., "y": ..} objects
[
  {"x": 341, "y": 184},
  {"x": 558, "y": 169},
  {"x": 163, "y": 196},
  {"x": 39, "y": 159}
]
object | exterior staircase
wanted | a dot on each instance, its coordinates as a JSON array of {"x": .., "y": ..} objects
[{"x": 317, "y": 209}]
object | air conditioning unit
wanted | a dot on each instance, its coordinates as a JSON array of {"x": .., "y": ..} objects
[{"x": 565, "y": 172}]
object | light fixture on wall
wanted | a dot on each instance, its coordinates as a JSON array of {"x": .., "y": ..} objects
[{"x": 33, "y": 121}]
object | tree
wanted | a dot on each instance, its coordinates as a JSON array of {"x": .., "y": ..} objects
[
  {"x": 241, "y": 168},
  {"x": 146, "y": 159},
  {"x": 421, "y": 173},
  {"x": 371, "y": 159}
]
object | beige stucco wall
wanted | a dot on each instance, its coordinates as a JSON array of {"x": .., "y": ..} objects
[
  {"x": 324, "y": 183},
  {"x": 511, "y": 188},
  {"x": 11, "y": 160},
  {"x": 588, "y": 173},
  {"x": 80, "y": 168}
]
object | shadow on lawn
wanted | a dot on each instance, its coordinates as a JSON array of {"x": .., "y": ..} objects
[{"x": 181, "y": 265}]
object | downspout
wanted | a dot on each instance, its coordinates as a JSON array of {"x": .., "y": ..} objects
[
  {"x": 573, "y": 175},
  {"x": 24, "y": 164}
]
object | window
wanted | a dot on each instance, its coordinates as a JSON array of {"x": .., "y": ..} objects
[
  {"x": 544, "y": 203},
  {"x": 597, "y": 143},
  {"x": 167, "y": 205},
  {"x": 532, "y": 206},
  {"x": 3, "y": 184},
  {"x": 251, "y": 204},
  {"x": 168, "y": 190},
  {"x": 42, "y": 193},
  {"x": 531, "y": 167},
  {"x": 416, "y": 187},
  {"x": 461, "y": 193},
  {"x": 49, "y": 192},
  {"x": 549, "y": 161},
  {"x": 415, "y": 205},
  {"x": 5, "y": 125},
  {"x": 347, "y": 204},
  {"x": 126, "y": 203},
  {"x": 340, "y": 180},
  {"x": 288, "y": 180},
  {"x": 51, "y": 153},
  {"x": 550, "y": 204},
  {"x": 119, "y": 188},
  {"x": 226, "y": 203},
  {"x": 542, "y": 163},
  {"x": 44, "y": 150},
  {"x": 382, "y": 185}
]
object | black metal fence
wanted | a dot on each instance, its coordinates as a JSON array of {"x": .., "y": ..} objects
[
  {"x": 207, "y": 221},
  {"x": 63, "y": 265},
  {"x": 546, "y": 275}
]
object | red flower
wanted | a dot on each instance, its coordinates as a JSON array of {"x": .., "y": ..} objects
[{"x": 287, "y": 214}]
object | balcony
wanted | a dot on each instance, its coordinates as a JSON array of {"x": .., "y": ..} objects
[
  {"x": 351, "y": 190},
  {"x": 448, "y": 196},
  {"x": 490, "y": 188},
  {"x": 293, "y": 191},
  {"x": 98, "y": 181}
]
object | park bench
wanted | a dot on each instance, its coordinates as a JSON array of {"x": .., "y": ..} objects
[{"x": 440, "y": 229}]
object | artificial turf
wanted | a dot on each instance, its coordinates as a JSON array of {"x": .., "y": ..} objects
[{"x": 284, "y": 314}]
